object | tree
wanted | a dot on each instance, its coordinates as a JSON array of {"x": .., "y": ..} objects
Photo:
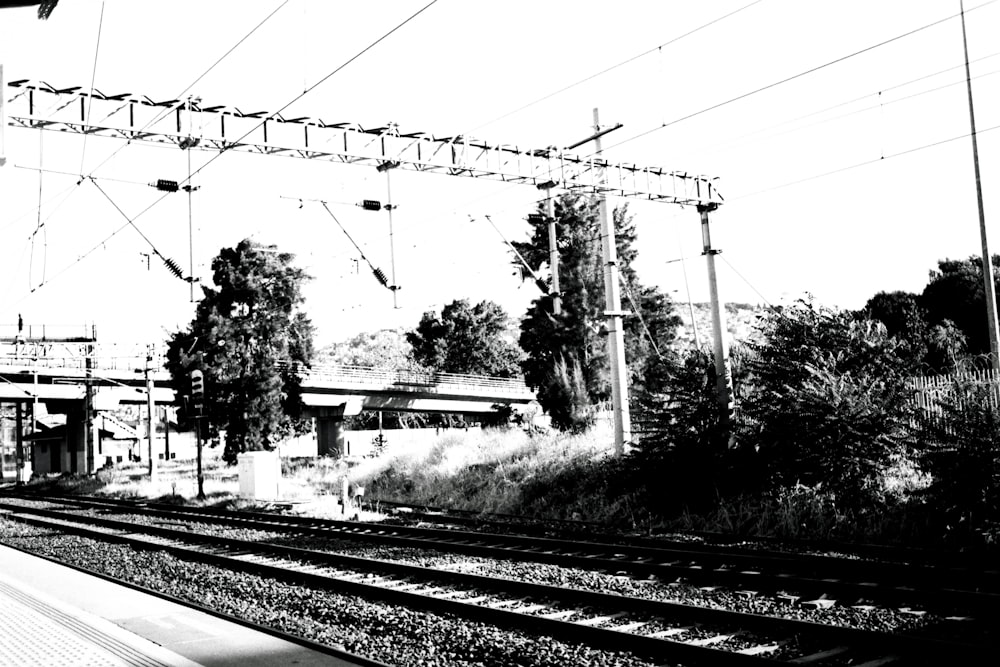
[
  {"x": 568, "y": 350},
  {"x": 247, "y": 335},
  {"x": 937, "y": 348},
  {"x": 386, "y": 349},
  {"x": 828, "y": 402},
  {"x": 466, "y": 338},
  {"x": 955, "y": 292}
]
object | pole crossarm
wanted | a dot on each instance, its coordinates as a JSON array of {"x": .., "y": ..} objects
[{"x": 192, "y": 124}]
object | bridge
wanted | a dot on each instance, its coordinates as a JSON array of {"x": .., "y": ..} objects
[{"x": 69, "y": 383}]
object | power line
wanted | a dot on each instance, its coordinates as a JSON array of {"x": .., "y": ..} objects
[
  {"x": 638, "y": 311},
  {"x": 764, "y": 298},
  {"x": 616, "y": 66},
  {"x": 75, "y": 175},
  {"x": 793, "y": 77},
  {"x": 129, "y": 220},
  {"x": 93, "y": 76},
  {"x": 163, "y": 112},
  {"x": 858, "y": 99},
  {"x": 159, "y": 116},
  {"x": 219, "y": 154},
  {"x": 860, "y": 164}
]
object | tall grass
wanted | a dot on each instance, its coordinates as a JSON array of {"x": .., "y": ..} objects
[{"x": 492, "y": 470}]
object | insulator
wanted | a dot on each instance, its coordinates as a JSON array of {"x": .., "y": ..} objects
[
  {"x": 173, "y": 267},
  {"x": 166, "y": 186},
  {"x": 371, "y": 205},
  {"x": 380, "y": 276},
  {"x": 535, "y": 218}
]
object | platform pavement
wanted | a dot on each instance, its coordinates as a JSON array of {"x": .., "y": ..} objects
[{"x": 55, "y": 616}]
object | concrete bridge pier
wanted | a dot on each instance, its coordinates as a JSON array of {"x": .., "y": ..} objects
[
  {"x": 330, "y": 425},
  {"x": 330, "y": 436},
  {"x": 79, "y": 455}
]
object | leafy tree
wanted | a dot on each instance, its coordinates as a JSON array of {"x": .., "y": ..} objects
[
  {"x": 937, "y": 348},
  {"x": 570, "y": 349},
  {"x": 899, "y": 312},
  {"x": 466, "y": 338},
  {"x": 681, "y": 457},
  {"x": 386, "y": 349},
  {"x": 247, "y": 332},
  {"x": 955, "y": 293},
  {"x": 829, "y": 402}
]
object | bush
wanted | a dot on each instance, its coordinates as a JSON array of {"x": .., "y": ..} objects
[{"x": 828, "y": 403}]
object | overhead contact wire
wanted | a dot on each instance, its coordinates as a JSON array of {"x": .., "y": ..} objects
[
  {"x": 621, "y": 64},
  {"x": 90, "y": 99},
  {"x": 794, "y": 77}
]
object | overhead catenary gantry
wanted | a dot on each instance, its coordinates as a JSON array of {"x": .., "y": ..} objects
[{"x": 190, "y": 123}]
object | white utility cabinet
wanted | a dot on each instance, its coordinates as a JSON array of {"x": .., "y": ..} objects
[{"x": 260, "y": 475}]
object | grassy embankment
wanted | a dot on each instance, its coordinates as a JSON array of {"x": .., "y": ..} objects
[{"x": 559, "y": 476}]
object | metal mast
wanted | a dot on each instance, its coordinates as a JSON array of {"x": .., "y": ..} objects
[{"x": 989, "y": 286}]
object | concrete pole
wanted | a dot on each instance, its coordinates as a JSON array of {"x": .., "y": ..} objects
[
  {"x": 201, "y": 477},
  {"x": 550, "y": 213},
  {"x": 612, "y": 300},
  {"x": 19, "y": 446},
  {"x": 988, "y": 283},
  {"x": 3, "y": 118},
  {"x": 150, "y": 422},
  {"x": 89, "y": 422},
  {"x": 723, "y": 374}
]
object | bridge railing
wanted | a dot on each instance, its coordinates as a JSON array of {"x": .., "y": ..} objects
[
  {"x": 79, "y": 363},
  {"x": 49, "y": 332},
  {"x": 357, "y": 375},
  {"x": 363, "y": 375}
]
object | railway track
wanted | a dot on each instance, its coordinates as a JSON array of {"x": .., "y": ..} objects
[
  {"x": 809, "y": 579},
  {"x": 572, "y": 529},
  {"x": 661, "y": 630}
]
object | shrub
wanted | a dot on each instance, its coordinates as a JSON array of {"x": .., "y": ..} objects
[{"x": 828, "y": 402}]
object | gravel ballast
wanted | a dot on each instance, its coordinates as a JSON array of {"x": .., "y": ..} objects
[
  {"x": 865, "y": 617},
  {"x": 375, "y": 630}
]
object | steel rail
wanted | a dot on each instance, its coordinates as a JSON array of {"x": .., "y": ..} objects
[
  {"x": 359, "y": 660},
  {"x": 594, "y": 636},
  {"x": 807, "y": 575}
]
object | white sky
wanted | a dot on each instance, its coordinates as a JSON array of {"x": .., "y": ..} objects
[{"x": 462, "y": 64}]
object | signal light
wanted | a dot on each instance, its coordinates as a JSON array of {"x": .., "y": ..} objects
[
  {"x": 166, "y": 186},
  {"x": 197, "y": 388},
  {"x": 371, "y": 205}
]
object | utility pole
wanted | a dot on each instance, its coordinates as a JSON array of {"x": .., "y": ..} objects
[
  {"x": 988, "y": 284},
  {"x": 3, "y": 119},
  {"x": 723, "y": 375},
  {"x": 150, "y": 422},
  {"x": 19, "y": 445},
  {"x": 90, "y": 423},
  {"x": 550, "y": 213},
  {"x": 612, "y": 299},
  {"x": 392, "y": 245}
]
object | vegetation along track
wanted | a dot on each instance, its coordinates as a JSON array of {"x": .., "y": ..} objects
[{"x": 641, "y": 626}]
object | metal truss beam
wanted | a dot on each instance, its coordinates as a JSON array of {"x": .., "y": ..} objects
[{"x": 191, "y": 124}]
